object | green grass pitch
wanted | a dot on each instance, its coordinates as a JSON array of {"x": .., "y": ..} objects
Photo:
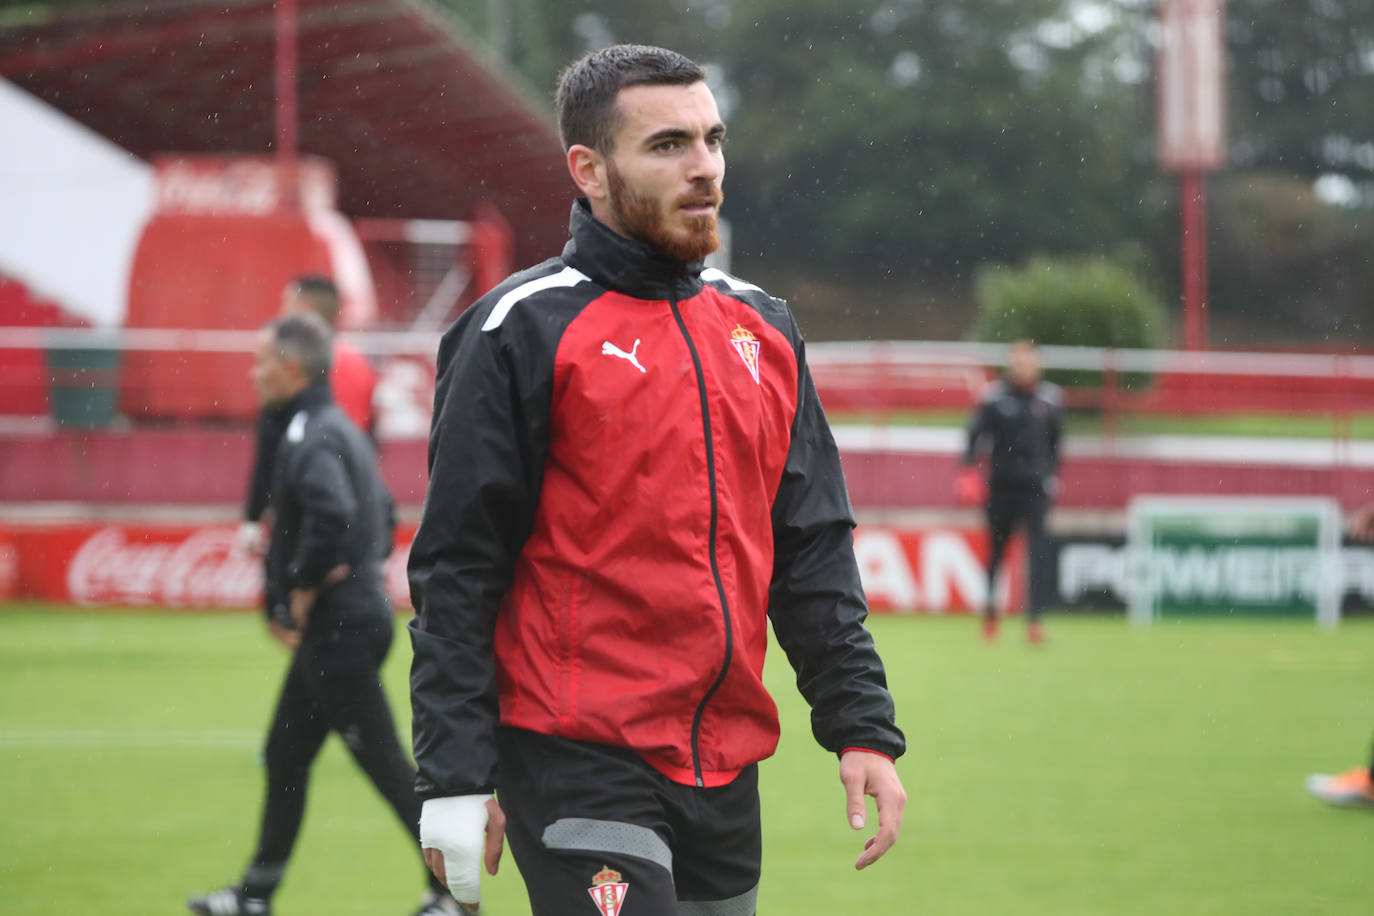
[{"x": 1115, "y": 770}]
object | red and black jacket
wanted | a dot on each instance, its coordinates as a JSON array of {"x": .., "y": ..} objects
[{"x": 630, "y": 474}]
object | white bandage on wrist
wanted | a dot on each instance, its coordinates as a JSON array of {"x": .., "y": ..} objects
[
  {"x": 457, "y": 827},
  {"x": 250, "y": 537}
]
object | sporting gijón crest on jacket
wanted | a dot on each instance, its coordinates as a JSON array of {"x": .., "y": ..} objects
[{"x": 626, "y": 453}]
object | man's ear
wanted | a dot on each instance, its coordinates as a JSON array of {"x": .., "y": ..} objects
[
  {"x": 293, "y": 370},
  {"x": 588, "y": 170}
]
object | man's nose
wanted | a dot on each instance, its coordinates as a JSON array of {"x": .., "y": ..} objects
[{"x": 705, "y": 162}]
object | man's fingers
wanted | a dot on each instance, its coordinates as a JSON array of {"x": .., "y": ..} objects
[
  {"x": 875, "y": 848},
  {"x": 891, "y": 803},
  {"x": 454, "y": 826},
  {"x": 301, "y": 602},
  {"x": 888, "y": 825},
  {"x": 854, "y": 799},
  {"x": 435, "y": 860},
  {"x": 496, "y": 837}
]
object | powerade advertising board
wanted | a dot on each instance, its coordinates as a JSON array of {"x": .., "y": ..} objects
[
  {"x": 1215, "y": 556},
  {"x": 1091, "y": 574}
]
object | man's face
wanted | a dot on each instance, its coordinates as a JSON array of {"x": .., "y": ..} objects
[
  {"x": 663, "y": 178},
  {"x": 273, "y": 377},
  {"x": 292, "y": 302},
  {"x": 1023, "y": 365}
]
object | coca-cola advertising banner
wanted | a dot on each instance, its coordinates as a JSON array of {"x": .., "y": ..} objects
[
  {"x": 913, "y": 570},
  {"x": 144, "y": 565}
]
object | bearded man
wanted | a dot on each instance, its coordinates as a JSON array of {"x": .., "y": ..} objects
[{"x": 630, "y": 476}]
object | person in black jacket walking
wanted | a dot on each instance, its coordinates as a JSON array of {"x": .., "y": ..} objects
[
  {"x": 351, "y": 380},
  {"x": 1019, "y": 417},
  {"x": 326, "y": 601}
]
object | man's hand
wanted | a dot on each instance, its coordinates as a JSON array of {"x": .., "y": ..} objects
[
  {"x": 969, "y": 489},
  {"x": 457, "y": 834},
  {"x": 302, "y": 603},
  {"x": 289, "y": 638},
  {"x": 864, "y": 773},
  {"x": 251, "y": 538},
  {"x": 1361, "y": 524},
  {"x": 303, "y": 599}
]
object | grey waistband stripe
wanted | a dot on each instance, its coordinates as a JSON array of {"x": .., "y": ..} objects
[
  {"x": 585, "y": 834},
  {"x": 743, "y": 905}
]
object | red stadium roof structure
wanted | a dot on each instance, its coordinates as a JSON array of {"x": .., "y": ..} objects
[{"x": 419, "y": 122}]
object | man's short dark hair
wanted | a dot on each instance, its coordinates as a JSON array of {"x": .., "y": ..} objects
[
  {"x": 306, "y": 338},
  {"x": 587, "y": 89},
  {"x": 321, "y": 293}
]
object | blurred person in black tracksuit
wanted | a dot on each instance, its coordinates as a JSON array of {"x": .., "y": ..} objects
[
  {"x": 1020, "y": 417},
  {"x": 1353, "y": 788},
  {"x": 351, "y": 379},
  {"x": 326, "y": 602}
]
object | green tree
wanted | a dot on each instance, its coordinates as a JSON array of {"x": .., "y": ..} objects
[
  {"x": 1079, "y": 302},
  {"x": 1285, "y": 264},
  {"x": 881, "y": 135},
  {"x": 1301, "y": 77}
]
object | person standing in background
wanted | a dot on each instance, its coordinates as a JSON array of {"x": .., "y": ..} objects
[
  {"x": 1019, "y": 419},
  {"x": 351, "y": 378}
]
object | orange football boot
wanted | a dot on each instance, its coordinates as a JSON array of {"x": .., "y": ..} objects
[{"x": 1351, "y": 788}]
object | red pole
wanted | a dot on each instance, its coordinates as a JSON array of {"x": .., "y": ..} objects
[
  {"x": 1194, "y": 259},
  {"x": 286, "y": 109}
]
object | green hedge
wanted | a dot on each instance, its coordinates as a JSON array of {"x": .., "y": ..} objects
[{"x": 1085, "y": 302}]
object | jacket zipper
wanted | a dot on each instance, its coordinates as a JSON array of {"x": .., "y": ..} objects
[{"x": 711, "y": 542}]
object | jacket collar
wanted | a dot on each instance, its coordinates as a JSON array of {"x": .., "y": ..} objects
[
  {"x": 624, "y": 265},
  {"x": 310, "y": 398}
]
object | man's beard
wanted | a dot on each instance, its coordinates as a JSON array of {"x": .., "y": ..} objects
[{"x": 641, "y": 219}]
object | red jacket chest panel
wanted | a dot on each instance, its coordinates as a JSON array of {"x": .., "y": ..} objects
[
  {"x": 627, "y": 430},
  {"x": 621, "y": 553}
]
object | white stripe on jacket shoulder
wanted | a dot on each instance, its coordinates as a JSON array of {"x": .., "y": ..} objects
[
  {"x": 716, "y": 275},
  {"x": 568, "y": 276}
]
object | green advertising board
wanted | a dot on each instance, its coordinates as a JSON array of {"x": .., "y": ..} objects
[{"x": 1234, "y": 556}]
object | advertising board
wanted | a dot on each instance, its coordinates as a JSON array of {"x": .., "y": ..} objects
[
  {"x": 917, "y": 569},
  {"x": 1240, "y": 556}
]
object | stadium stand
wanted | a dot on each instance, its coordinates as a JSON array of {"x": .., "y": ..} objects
[{"x": 24, "y": 383}]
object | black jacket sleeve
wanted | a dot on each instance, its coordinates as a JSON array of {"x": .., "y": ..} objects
[
  {"x": 816, "y": 601},
  {"x": 979, "y": 425},
  {"x": 269, "y": 433},
  {"x": 1056, "y": 433},
  {"x": 328, "y": 504},
  {"x": 486, "y": 456}
]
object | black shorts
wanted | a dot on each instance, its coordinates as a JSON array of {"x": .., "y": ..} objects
[{"x": 596, "y": 830}]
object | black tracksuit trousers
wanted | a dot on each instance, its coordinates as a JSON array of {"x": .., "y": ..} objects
[
  {"x": 332, "y": 685},
  {"x": 1020, "y": 504},
  {"x": 591, "y": 824}
]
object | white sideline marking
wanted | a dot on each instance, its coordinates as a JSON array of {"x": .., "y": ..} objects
[{"x": 71, "y": 738}]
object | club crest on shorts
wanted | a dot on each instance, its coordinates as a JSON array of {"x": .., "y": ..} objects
[
  {"x": 608, "y": 891},
  {"x": 747, "y": 346}
]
